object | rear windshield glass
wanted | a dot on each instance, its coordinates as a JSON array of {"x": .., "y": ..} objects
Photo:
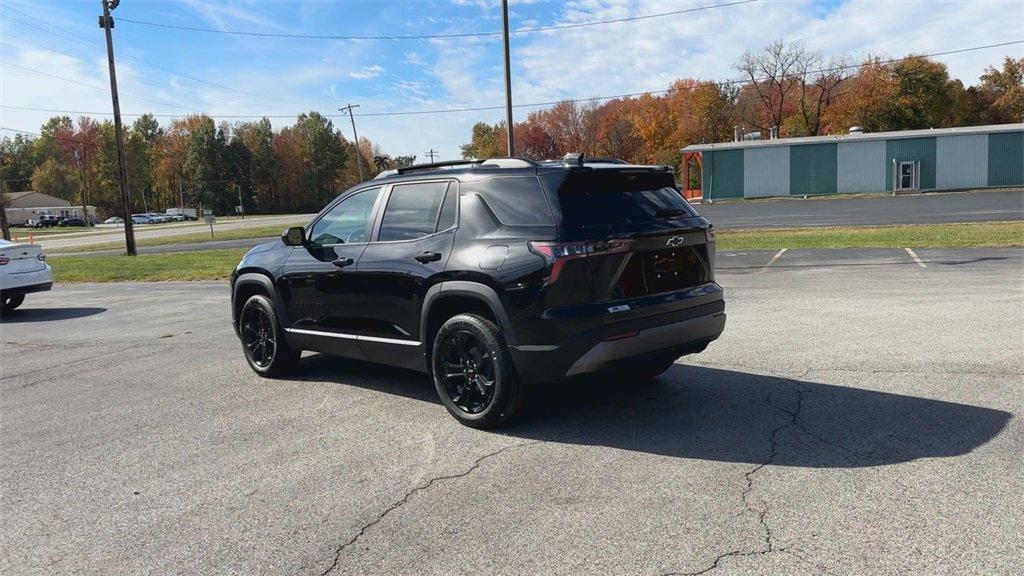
[{"x": 595, "y": 199}]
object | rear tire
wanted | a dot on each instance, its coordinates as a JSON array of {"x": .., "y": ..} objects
[
  {"x": 473, "y": 372},
  {"x": 263, "y": 341},
  {"x": 11, "y": 302}
]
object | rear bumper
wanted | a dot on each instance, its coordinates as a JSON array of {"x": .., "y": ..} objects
[
  {"x": 681, "y": 332},
  {"x": 27, "y": 289},
  {"x": 25, "y": 282}
]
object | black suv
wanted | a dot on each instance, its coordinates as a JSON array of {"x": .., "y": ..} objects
[{"x": 489, "y": 275}]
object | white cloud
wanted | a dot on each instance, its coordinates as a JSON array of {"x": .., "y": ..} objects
[{"x": 367, "y": 72}]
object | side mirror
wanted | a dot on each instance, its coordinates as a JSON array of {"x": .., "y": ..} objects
[{"x": 294, "y": 236}]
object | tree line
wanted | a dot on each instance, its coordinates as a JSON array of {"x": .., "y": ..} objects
[
  {"x": 785, "y": 87},
  {"x": 193, "y": 161}
]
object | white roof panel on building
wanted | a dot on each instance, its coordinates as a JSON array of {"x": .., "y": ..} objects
[{"x": 857, "y": 137}]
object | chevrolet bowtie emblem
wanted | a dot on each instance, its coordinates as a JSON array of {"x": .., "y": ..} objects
[{"x": 675, "y": 241}]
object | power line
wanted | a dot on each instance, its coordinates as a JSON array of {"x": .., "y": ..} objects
[
  {"x": 431, "y": 36},
  {"x": 699, "y": 84},
  {"x": 87, "y": 85},
  {"x": 86, "y": 42}
]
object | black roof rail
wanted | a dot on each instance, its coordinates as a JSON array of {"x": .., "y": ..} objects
[
  {"x": 433, "y": 165},
  {"x": 605, "y": 160}
]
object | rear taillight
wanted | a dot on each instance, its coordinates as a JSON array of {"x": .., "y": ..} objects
[
  {"x": 4, "y": 261},
  {"x": 41, "y": 257},
  {"x": 556, "y": 254}
]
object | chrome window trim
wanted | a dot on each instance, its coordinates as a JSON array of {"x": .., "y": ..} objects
[{"x": 353, "y": 337}]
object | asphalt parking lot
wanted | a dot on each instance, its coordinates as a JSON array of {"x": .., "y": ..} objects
[{"x": 860, "y": 415}]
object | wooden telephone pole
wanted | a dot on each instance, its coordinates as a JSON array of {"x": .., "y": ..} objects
[{"x": 107, "y": 23}]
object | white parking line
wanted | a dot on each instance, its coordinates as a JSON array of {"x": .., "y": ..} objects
[
  {"x": 774, "y": 259},
  {"x": 916, "y": 259}
]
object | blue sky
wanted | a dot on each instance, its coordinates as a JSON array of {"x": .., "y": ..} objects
[{"x": 43, "y": 45}]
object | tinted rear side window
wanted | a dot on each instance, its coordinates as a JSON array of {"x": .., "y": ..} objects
[
  {"x": 515, "y": 200},
  {"x": 603, "y": 199},
  {"x": 412, "y": 211},
  {"x": 451, "y": 201}
]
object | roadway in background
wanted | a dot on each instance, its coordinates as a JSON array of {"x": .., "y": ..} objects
[{"x": 931, "y": 208}]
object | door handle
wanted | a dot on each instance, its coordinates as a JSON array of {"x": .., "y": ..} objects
[
  {"x": 425, "y": 257},
  {"x": 342, "y": 262}
]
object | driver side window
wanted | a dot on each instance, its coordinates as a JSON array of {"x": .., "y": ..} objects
[{"x": 348, "y": 222}]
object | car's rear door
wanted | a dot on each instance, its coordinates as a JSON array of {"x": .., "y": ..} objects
[
  {"x": 411, "y": 245},
  {"x": 642, "y": 238}
]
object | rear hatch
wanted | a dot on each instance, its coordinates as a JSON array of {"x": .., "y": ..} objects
[
  {"x": 20, "y": 258},
  {"x": 633, "y": 235}
]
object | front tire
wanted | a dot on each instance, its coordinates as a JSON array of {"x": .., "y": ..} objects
[
  {"x": 473, "y": 372},
  {"x": 11, "y": 302},
  {"x": 263, "y": 341}
]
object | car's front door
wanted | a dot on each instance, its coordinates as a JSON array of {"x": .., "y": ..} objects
[
  {"x": 412, "y": 243},
  {"x": 320, "y": 288}
]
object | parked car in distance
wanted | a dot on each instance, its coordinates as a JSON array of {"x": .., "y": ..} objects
[
  {"x": 490, "y": 276},
  {"x": 142, "y": 219},
  {"x": 23, "y": 270},
  {"x": 44, "y": 221},
  {"x": 159, "y": 218},
  {"x": 114, "y": 220},
  {"x": 73, "y": 222},
  {"x": 177, "y": 217}
]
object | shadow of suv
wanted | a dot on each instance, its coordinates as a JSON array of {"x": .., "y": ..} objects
[{"x": 489, "y": 275}]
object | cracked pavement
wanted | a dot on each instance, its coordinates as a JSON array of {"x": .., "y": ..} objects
[{"x": 858, "y": 416}]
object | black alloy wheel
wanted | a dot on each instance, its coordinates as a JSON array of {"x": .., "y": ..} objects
[
  {"x": 468, "y": 372},
  {"x": 259, "y": 336},
  {"x": 473, "y": 372}
]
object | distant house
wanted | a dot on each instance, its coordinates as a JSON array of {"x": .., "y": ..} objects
[{"x": 23, "y": 206}]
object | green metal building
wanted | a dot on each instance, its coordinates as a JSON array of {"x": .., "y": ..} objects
[{"x": 936, "y": 159}]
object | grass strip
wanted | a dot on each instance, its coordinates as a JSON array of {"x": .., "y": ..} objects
[
  {"x": 200, "y": 265},
  {"x": 199, "y": 237},
  {"x": 969, "y": 235}
]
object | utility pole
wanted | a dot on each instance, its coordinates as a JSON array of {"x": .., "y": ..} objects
[
  {"x": 359, "y": 156},
  {"x": 107, "y": 23},
  {"x": 508, "y": 85},
  {"x": 81, "y": 182},
  {"x": 5, "y": 229},
  {"x": 432, "y": 154}
]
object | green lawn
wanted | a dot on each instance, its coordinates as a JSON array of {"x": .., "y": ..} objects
[
  {"x": 974, "y": 235},
  {"x": 202, "y": 265},
  {"x": 204, "y": 236}
]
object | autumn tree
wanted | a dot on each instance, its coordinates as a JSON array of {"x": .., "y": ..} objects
[
  {"x": 773, "y": 77},
  {"x": 1003, "y": 91},
  {"x": 56, "y": 179},
  {"x": 486, "y": 141}
]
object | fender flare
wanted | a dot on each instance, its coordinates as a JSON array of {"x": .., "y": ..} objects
[
  {"x": 267, "y": 284},
  {"x": 475, "y": 290}
]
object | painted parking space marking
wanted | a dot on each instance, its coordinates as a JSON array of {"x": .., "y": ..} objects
[
  {"x": 916, "y": 259},
  {"x": 774, "y": 259}
]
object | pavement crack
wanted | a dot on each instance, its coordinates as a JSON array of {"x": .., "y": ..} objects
[
  {"x": 761, "y": 510},
  {"x": 405, "y": 499}
]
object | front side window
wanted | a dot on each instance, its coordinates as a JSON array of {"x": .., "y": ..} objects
[
  {"x": 348, "y": 222},
  {"x": 412, "y": 211}
]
